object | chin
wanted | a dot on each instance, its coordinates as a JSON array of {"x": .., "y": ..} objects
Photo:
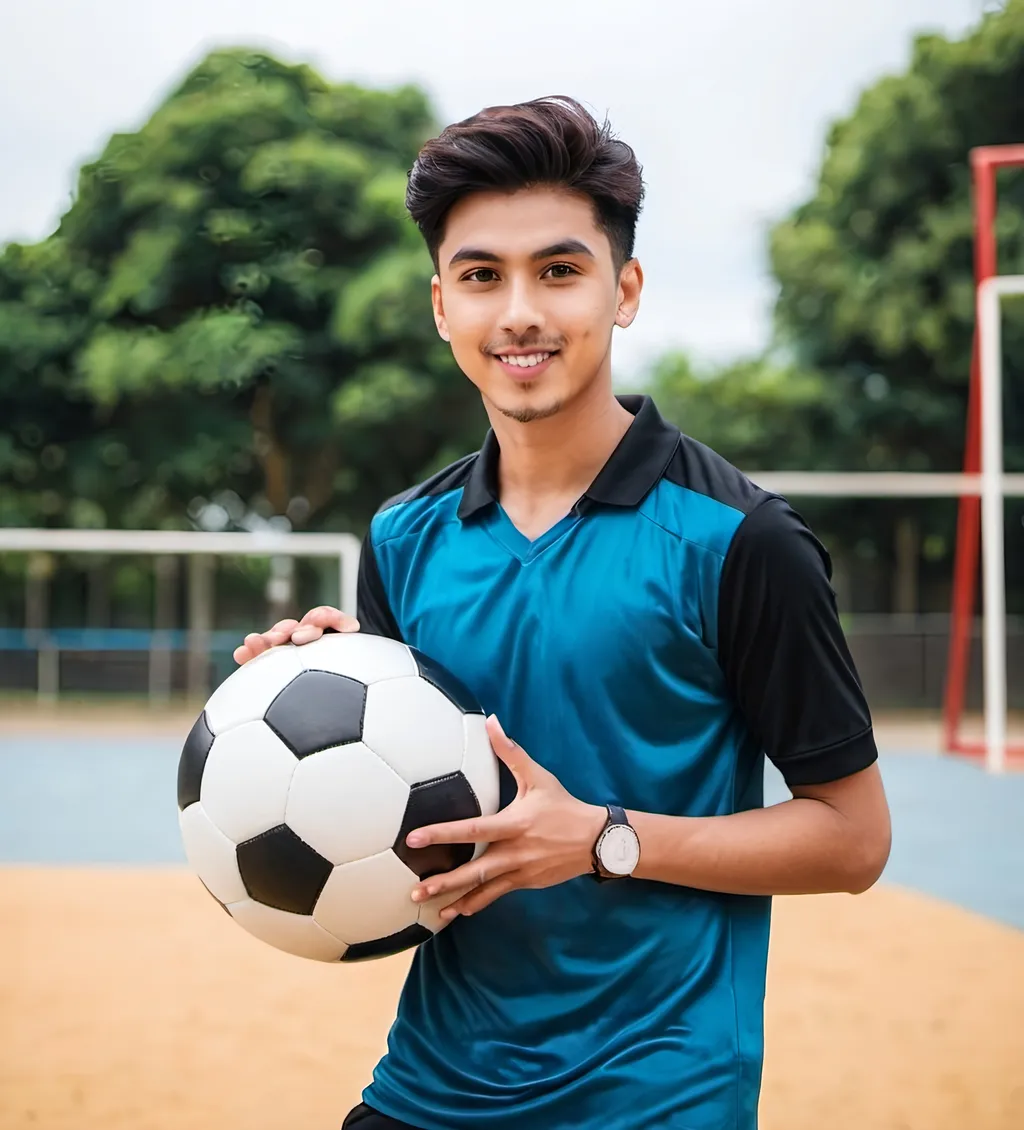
[{"x": 529, "y": 408}]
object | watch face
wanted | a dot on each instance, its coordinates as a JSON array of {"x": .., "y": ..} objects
[{"x": 619, "y": 850}]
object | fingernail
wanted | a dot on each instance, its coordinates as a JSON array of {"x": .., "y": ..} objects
[
  {"x": 303, "y": 635},
  {"x": 418, "y": 895},
  {"x": 351, "y": 627},
  {"x": 414, "y": 839},
  {"x": 447, "y": 914}
]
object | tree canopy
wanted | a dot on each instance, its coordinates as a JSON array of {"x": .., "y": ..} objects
[
  {"x": 875, "y": 309},
  {"x": 875, "y": 271},
  {"x": 235, "y": 307}
]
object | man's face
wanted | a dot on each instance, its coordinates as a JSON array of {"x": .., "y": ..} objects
[{"x": 527, "y": 293}]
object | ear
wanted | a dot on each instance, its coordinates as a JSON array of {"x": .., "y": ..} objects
[
  {"x": 631, "y": 283},
  {"x": 438, "y": 304}
]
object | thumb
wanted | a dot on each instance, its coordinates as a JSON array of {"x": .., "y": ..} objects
[{"x": 511, "y": 753}]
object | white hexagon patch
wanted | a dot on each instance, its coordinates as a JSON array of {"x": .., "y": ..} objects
[
  {"x": 246, "y": 693},
  {"x": 414, "y": 728},
  {"x": 210, "y": 854},
  {"x": 294, "y": 933},
  {"x": 346, "y": 803},
  {"x": 368, "y": 899},
  {"x": 358, "y": 656},
  {"x": 245, "y": 781}
]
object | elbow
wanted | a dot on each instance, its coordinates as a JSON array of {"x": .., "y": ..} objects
[{"x": 867, "y": 862}]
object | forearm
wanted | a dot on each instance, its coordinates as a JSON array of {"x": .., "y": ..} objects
[{"x": 801, "y": 846}]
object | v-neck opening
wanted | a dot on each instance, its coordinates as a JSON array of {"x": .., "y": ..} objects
[{"x": 511, "y": 538}]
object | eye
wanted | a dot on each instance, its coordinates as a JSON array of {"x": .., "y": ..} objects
[
  {"x": 481, "y": 275},
  {"x": 561, "y": 270}
]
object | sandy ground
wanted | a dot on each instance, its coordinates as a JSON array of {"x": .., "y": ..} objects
[{"x": 129, "y": 1000}]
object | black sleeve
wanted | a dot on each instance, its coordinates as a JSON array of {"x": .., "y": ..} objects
[
  {"x": 372, "y": 608},
  {"x": 783, "y": 652}
]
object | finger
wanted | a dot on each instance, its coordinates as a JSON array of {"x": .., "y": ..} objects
[
  {"x": 253, "y": 644},
  {"x": 465, "y": 878},
  {"x": 278, "y": 635},
  {"x": 475, "y": 830},
  {"x": 483, "y": 896},
  {"x": 306, "y": 633},
  {"x": 519, "y": 762},
  {"x": 324, "y": 616}
]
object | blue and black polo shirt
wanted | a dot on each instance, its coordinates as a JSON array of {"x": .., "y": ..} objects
[{"x": 650, "y": 649}]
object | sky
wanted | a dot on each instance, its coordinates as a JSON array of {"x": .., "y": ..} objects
[{"x": 726, "y": 102}]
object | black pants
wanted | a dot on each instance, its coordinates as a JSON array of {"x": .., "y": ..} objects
[{"x": 364, "y": 1117}]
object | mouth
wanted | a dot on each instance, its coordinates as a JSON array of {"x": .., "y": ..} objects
[{"x": 526, "y": 366}]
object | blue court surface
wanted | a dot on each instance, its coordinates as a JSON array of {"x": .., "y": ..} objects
[{"x": 958, "y": 833}]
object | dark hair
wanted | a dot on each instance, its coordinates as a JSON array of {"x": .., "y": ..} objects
[{"x": 552, "y": 141}]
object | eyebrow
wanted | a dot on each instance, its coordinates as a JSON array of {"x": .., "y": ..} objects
[{"x": 563, "y": 247}]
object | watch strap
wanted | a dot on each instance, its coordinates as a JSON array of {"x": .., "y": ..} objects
[{"x": 616, "y": 814}]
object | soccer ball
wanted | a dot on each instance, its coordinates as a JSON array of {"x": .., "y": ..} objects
[{"x": 301, "y": 779}]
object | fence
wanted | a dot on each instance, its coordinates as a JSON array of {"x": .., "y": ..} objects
[{"x": 901, "y": 659}]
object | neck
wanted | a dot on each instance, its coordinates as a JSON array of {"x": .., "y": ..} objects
[{"x": 558, "y": 457}]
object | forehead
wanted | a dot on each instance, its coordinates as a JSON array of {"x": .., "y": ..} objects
[{"x": 516, "y": 224}]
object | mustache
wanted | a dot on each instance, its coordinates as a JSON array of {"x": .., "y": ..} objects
[{"x": 522, "y": 343}]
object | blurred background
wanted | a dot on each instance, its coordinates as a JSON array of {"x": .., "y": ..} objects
[
  {"x": 214, "y": 316},
  {"x": 214, "y": 312}
]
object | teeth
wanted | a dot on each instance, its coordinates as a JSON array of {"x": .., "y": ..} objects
[{"x": 525, "y": 361}]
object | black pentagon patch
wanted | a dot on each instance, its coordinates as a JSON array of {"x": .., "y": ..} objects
[
  {"x": 508, "y": 786},
  {"x": 282, "y": 871},
  {"x": 318, "y": 710},
  {"x": 437, "y": 802},
  {"x": 192, "y": 762},
  {"x": 413, "y": 935},
  {"x": 451, "y": 687}
]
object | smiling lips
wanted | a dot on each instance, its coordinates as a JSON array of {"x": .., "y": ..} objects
[
  {"x": 525, "y": 366},
  {"x": 523, "y": 360}
]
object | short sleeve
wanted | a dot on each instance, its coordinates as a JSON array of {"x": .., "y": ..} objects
[
  {"x": 373, "y": 610},
  {"x": 783, "y": 652}
]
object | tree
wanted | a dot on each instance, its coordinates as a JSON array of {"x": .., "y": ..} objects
[
  {"x": 757, "y": 413},
  {"x": 876, "y": 297},
  {"x": 763, "y": 414},
  {"x": 238, "y": 311},
  {"x": 876, "y": 270}
]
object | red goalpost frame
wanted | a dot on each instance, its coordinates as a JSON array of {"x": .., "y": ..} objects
[{"x": 985, "y": 161}]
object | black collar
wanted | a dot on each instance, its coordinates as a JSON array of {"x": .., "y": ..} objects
[{"x": 633, "y": 468}]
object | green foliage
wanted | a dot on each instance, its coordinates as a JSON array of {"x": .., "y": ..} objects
[
  {"x": 876, "y": 270},
  {"x": 758, "y": 414},
  {"x": 875, "y": 312},
  {"x": 236, "y": 303}
]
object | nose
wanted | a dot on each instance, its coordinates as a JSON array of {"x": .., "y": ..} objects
[{"x": 522, "y": 316}]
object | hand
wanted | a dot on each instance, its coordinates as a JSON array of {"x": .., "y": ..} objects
[
  {"x": 310, "y": 627},
  {"x": 545, "y": 836}
]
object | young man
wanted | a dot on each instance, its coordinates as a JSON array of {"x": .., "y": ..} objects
[{"x": 648, "y": 625}]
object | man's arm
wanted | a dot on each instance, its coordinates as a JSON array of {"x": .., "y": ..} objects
[
  {"x": 830, "y": 837},
  {"x": 789, "y": 671}
]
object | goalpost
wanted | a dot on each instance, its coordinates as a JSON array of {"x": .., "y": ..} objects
[
  {"x": 194, "y": 544},
  {"x": 990, "y": 487},
  {"x": 343, "y": 547},
  {"x": 983, "y": 453}
]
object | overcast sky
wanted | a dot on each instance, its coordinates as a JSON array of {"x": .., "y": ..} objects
[{"x": 725, "y": 101}]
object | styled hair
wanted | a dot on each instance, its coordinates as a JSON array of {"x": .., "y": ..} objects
[{"x": 548, "y": 141}]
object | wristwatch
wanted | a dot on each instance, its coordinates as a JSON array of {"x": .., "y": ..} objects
[{"x": 617, "y": 849}]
